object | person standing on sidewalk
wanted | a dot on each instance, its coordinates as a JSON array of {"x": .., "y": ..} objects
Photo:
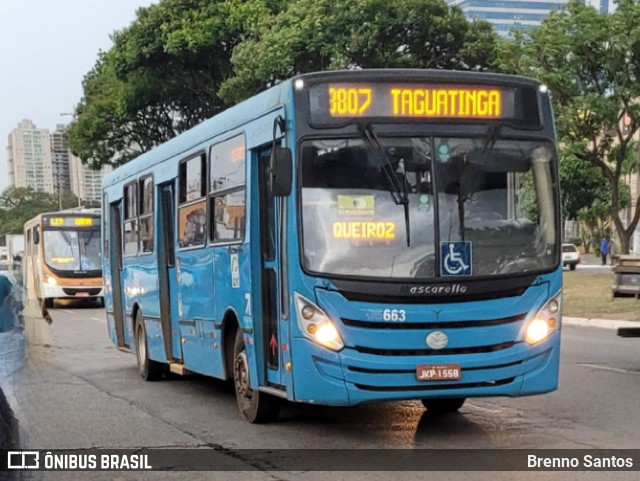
[
  {"x": 12, "y": 338},
  {"x": 604, "y": 250},
  {"x": 6, "y": 313}
]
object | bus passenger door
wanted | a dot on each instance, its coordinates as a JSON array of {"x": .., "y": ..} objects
[
  {"x": 270, "y": 240},
  {"x": 167, "y": 278},
  {"x": 115, "y": 259}
]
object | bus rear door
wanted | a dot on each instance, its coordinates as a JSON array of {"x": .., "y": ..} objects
[{"x": 115, "y": 259}]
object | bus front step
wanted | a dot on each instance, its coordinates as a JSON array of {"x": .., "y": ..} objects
[{"x": 177, "y": 368}]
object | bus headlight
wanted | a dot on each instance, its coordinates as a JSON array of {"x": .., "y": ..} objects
[
  {"x": 316, "y": 325},
  {"x": 51, "y": 281},
  {"x": 546, "y": 320}
]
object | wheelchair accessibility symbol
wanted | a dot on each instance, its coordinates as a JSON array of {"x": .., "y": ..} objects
[{"x": 456, "y": 258}]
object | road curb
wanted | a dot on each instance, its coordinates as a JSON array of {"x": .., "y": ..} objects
[{"x": 599, "y": 323}]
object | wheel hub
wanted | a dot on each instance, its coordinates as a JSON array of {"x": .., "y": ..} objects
[{"x": 241, "y": 375}]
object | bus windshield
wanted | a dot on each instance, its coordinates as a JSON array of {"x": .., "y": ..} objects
[
  {"x": 491, "y": 198},
  {"x": 73, "y": 250}
]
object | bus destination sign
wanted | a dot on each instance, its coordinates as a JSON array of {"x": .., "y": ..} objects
[
  {"x": 70, "y": 221},
  {"x": 333, "y": 103}
]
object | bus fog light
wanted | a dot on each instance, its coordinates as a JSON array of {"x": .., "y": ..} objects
[{"x": 537, "y": 331}]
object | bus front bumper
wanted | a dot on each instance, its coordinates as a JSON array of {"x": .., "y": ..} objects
[
  {"x": 73, "y": 292},
  {"x": 350, "y": 377}
]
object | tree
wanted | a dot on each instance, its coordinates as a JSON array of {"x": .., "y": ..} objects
[
  {"x": 183, "y": 61},
  {"x": 591, "y": 62},
  {"x": 161, "y": 77},
  {"x": 20, "y": 204},
  {"x": 312, "y": 35}
]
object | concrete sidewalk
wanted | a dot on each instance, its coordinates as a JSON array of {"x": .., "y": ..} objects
[{"x": 600, "y": 323}]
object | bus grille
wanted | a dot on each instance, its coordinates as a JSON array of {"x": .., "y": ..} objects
[
  {"x": 433, "y": 325},
  {"x": 91, "y": 291},
  {"x": 434, "y": 352}
]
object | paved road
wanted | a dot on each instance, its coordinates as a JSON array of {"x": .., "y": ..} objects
[{"x": 78, "y": 392}]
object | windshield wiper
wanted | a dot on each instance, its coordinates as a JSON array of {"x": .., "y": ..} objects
[{"x": 397, "y": 186}]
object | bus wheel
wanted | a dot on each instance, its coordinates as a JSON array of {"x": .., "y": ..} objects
[
  {"x": 255, "y": 406},
  {"x": 149, "y": 370},
  {"x": 443, "y": 406},
  {"x": 48, "y": 302}
]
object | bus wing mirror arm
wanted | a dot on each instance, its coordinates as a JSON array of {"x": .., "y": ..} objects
[{"x": 281, "y": 165}]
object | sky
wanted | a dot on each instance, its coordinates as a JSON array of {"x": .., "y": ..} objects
[{"x": 46, "y": 48}]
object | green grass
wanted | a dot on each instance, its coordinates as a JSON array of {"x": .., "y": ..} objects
[{"x": 588, "y": 294}]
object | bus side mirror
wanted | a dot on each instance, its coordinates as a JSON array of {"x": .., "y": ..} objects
[{"x": 281, "y": 171}]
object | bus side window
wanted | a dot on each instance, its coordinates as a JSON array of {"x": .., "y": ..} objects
[
  {"x": 146, "y": 214},
  {"x": 192, "y": 216},
  {"x": 227, "y": 198},
  {"x": 130, "y": 220}
]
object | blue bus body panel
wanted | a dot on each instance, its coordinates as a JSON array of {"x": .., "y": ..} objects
[
  {"x": 380, "y": 359},
  {"x": 202, "y": 291}
]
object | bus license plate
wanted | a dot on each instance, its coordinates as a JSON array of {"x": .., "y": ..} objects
[
  {"x": 82, "y": 294},
  {"x": 438, "y": 372}
]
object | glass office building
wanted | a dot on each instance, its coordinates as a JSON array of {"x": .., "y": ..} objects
[{"x": 506, "y": 15}]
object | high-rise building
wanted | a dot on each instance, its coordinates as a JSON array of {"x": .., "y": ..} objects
[
  {"x": 85, "y": 182},
  {"x": 506, "y": 15},
  {"x": 29, "y": 157},
  {"x": 41, "y": 159},
  {"x": 602, "y": 6}
]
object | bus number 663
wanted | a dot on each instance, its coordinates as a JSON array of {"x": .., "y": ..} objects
[
  {"x": 394, "y": 315},
  {"x": 349, "y": 101}
]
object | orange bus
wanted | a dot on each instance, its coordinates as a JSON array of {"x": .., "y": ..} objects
[{"x": 63, "y": 258}]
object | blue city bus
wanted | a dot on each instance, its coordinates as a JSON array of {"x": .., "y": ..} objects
[{"x": 347, "y": 237}]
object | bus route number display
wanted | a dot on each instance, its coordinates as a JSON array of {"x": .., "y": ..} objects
[
  {"x": 69, "y": 221},
  {"x": 334, "y": 103}
]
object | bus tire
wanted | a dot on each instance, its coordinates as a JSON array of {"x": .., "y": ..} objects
[
  {"x": 149, "y": 370},
  {"x": 255, "y": 406},
  {"x": 443, "y": 406},
  {"x": 48, "y": 302}
]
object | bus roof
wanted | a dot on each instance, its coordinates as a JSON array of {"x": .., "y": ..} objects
[
  {"x": 275, "y": 97},
  {"x": 225, "y": 121}
]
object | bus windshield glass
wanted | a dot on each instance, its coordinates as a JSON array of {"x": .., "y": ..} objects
[
  {"x": 73, "y": 250},
  {"x": 476, "y": 207}
]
